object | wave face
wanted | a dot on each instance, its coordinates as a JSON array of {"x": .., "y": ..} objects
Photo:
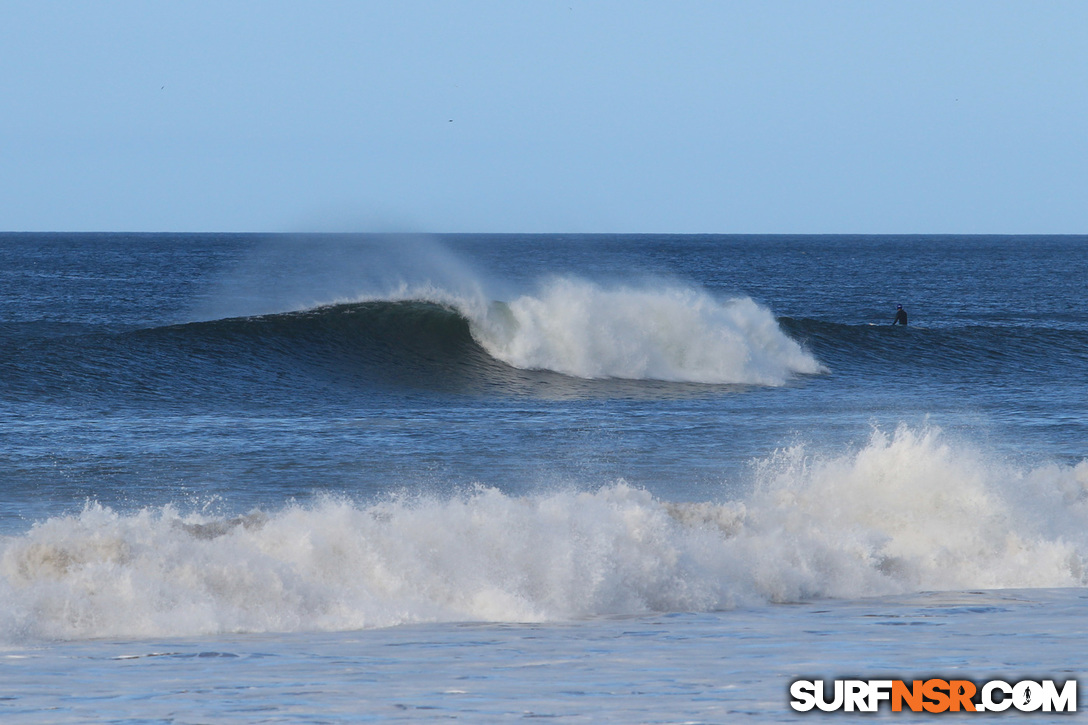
[
  {"x": 908, "y": 511},
  {"x": 418, "y": 337},
  {"x": 569, "y": 337}
]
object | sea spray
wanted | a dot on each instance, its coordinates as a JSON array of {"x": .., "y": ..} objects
[{"x": 906, "y": 512}]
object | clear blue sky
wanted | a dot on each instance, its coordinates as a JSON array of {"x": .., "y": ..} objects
[{"x": 536, "y": 116}]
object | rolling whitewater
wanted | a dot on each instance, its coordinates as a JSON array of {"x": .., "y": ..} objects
[{"x": 491, "y": 476}]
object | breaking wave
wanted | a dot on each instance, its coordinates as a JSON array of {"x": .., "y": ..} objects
[
  {"x": 674, "y": 334},
  {"x": 663, "y": 332},
  {"x": 425, "y": 337},
  {"x": 906, "y": 512}
]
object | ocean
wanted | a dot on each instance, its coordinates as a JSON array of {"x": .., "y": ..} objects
[{"x": 589, "y": 478}]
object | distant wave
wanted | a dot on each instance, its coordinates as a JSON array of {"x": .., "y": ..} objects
[
  {"x": 569, "y": 338},
  {"x": 591, "y": 331},
  {"x": 426, "y": 337},
  {"x": 572, "y": 327},
  {"x": 906, "y": 512},
  {"x": 971, "y": 350}
]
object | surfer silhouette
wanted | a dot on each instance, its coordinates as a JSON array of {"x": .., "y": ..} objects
[{"x": 900, "y": 316}]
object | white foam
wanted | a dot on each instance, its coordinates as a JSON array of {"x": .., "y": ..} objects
[
  {"x": 659, "y": 331},
  {"x": 906, "y": 512},
  {"x": 913, "y": 511}
]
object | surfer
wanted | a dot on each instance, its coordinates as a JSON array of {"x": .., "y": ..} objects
[{"x": 900, "y": 316}]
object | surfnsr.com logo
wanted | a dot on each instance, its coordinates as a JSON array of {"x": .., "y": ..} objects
[{"x": 933, "y": 695}]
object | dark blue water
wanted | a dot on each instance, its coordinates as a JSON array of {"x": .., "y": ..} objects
[{"x": 138, "y": 370}]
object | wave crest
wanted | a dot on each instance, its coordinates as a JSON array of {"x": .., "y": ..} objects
[{"x": 669, "y": 333}]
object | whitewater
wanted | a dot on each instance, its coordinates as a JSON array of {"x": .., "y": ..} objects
[
  {"x": 645, "y": 478},
  {"x": 906, "y": 513}
]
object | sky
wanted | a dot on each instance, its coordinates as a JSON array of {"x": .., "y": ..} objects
[{"x": 770, "y": 117}]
